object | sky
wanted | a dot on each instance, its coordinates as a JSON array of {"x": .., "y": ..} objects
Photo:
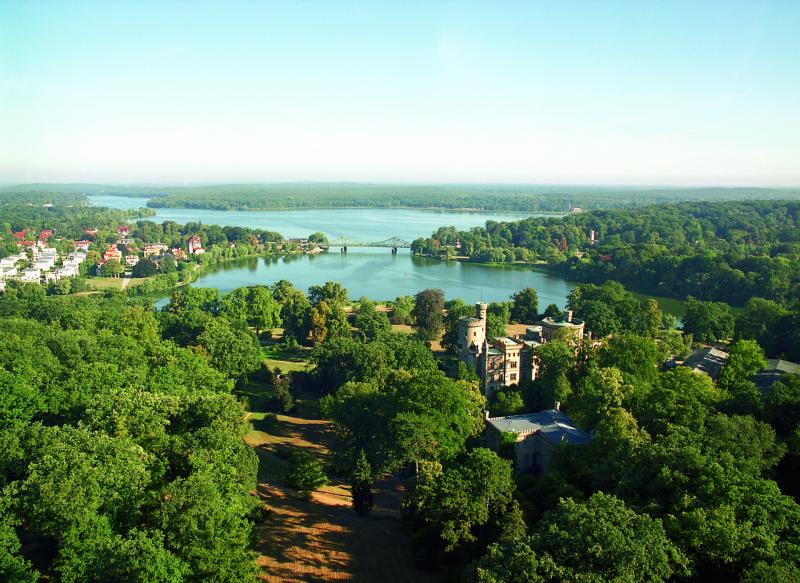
[{"x": 567, "y": 92}]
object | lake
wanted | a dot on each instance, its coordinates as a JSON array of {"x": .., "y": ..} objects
[
  {"x": 359, "y": 224},
  {"x": 365, "y": 271}
]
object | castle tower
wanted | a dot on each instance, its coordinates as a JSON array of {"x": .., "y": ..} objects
[
  {"x": 472, "y": 335},
  {"x": 481, "y": 311}
]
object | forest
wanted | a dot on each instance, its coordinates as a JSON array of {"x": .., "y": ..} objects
[
  {"x": 527, "y": 198},
  {"x": 721, "y": 251},
  {"x": 123, "y": 457}
]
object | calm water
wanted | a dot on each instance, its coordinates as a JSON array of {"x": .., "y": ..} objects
[
  {"x": 378, "y": 274},
  {"x": 367, "y": 225},
  {"x": 371, "y": 272}
]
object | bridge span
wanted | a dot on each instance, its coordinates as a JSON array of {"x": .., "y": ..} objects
[{"x": 392, "y": 242}]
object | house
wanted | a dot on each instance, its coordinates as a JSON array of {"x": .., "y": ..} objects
[
  {"x": 773, "y": 372},
  {"x": 90, "y": 233},
  {"x": 707, "y": 361},
  {"x": 195, "y": 246},
  {"x": 112, "y": 253},
  {"x": 508, "y": 361},
  {"x": 82, "y": 245},
  {"x": 19, "y": 236},
  {"x": 131, "y": 260},
  {"x": 12, "y": 260},
  {"x": 536, "y": 437},
  {"x": 45, "y": 235},
  {"x": 178, "y": 253},
  {"x": 565, "y": 324},
  {"x": 30, "y": 275},
  {"x": 503, "y": 362},
  {"x": 153, "y": 249},
  {"x": 122, "y": 231}
]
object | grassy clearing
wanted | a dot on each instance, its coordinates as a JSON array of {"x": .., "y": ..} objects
[
  {"x": 104, "y": 283},
  {"x": 322, "y": 539},
  {"x": 286, "y": 360}
]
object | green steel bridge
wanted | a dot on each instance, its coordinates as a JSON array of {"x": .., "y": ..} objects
[{"x": 393, "y": 243}]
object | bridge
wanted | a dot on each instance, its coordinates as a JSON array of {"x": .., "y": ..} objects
[{"x": 392, "y": 242}]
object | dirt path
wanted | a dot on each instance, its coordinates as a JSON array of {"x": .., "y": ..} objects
[{"x": 322, "y": 539}]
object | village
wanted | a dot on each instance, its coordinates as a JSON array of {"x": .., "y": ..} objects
[{"x": 36, "y": 261}]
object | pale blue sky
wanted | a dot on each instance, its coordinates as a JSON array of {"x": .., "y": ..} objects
[{"x": 539, "y": 92}]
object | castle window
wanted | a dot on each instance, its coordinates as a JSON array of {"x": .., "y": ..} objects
[
  {"x": 513, "y": 376},
  {"x": 513, "y": 365}
]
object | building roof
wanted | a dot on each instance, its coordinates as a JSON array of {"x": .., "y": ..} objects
[
  {"x": 773, "y": 372},
  {"x": 552, "y": 425},
  {"x": 561, "y": 321},
  {"x": 470, "y": 319},
  {"x": 707, "y": 361},
  {"x": 507, "y": 341}
]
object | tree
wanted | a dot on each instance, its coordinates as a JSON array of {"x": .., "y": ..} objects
[
  {"x": 361, "y": 485},
  {"x": 511, "y": 561},
  {"x": 371, "y": 322},
  {"x": 331, "y": 292},
  {"x": 319, "y": 238},
  {"x": 144, "y": 268},
  {"x": 234, "y": 351},
  {"x": 465, "y": 497},
  {"x": 305, "y": 472},
  {"x": 112, "y": 268},
  {"x": 264, "y": 313},
  {"x": 526, "y": 306},
  {"x": 650, "y": 319},
  {"x": 295, "y": 314},
  {"x": 635, "y": 355},
  {"x": 760, "y": 321},
  {"x": 708, "y": 321},
  {"x": 428, "y": 313},
  {"x": 603, "y": 540},
  {"x": 745, "y": 359},
  {"x": 328, "y": 321},
  {"x": 189, "y": 298},
  {"x": 402, "y": 308},
  {"x": 551, "y": 311}
]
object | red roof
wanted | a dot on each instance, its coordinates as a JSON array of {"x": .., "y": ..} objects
[
  {"x": 27, "y": 243},
  {"x": 122, "y": 229},
  {"x": 45, "y": 235},
  {"x": 19, "y": 235}
]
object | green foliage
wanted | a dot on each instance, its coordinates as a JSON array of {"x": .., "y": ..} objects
[
  {"x": 428, "y": 313},
  {"x": 708, "y": 321},
  {"x": 525, "y": 306},
  {"x": 402, "y": 308},
  {"x": 144, "y": 268},
  {"x": 121, "y": 452},
  {"x": 371, "y": 322},
  {"x": 361, "y": 485},
  {"x": 745, "y": 359},
  {"x": 604, "y": 540},
  {"x": 232, "y": 350},
  {"x": 112, "y": 268},
  {"x": 305, "y": 472},
  {"x": 465, "y": 497}
]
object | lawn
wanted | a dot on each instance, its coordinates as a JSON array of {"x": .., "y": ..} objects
[
  {"x": 286, "y": 360},
  {"x": 322, "y": 539}
]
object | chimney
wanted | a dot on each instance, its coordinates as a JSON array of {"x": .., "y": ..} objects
[
  {"x": 486, "y": 414},
  {"x": 557, "y": 406},
  {"x": 568, "y": 315}
]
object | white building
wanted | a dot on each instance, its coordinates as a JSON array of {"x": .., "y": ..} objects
[{"x": 30, "y": 275}]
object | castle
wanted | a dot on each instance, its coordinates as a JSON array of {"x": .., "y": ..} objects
[{"x": 507, "y": 361}]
